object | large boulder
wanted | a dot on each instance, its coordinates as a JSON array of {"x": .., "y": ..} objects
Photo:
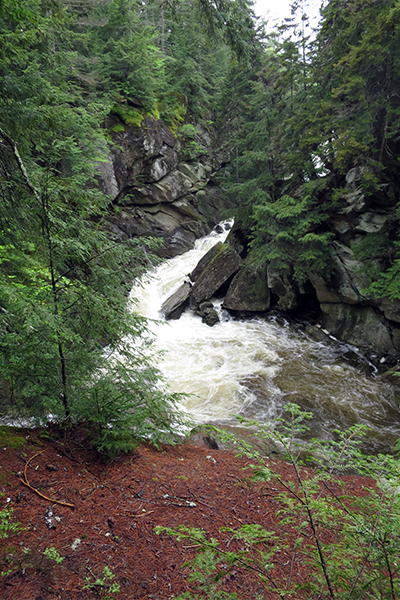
[
  {"x": 347, "y": 282},
  {"x": 283, "y": 286},
  {"x": 213, "y": 270},
  {"x": 248, "y": 290},
  {"x": 391, "y": 309},
  {"x": 359, "y": 326},
  {"x": 174, "y": 306}
]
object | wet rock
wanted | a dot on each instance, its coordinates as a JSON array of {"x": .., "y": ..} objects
[
  {"x": 204, "y": 308},
  {"x": 211, "y": 318},
  {"x": 248, "y": 290},
  {"x": 317, "y": 334},
  {"x": 174, "y": 306},
  {"x": 213, "y": 270},
  {"x": 284, "y": 287},
  {"x": 208, "y": 313},
  {"x": 391, "y": 309},
  {"x": 359, "y": 326},
  {"x": 204, "y": 261}
]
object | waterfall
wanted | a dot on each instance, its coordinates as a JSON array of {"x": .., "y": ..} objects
[{"x": 254, "y": 367}]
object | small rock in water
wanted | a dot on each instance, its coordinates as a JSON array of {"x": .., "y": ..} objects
[
  {"x": 211, "y": 318},
  {"x": 208, "y": 314}
]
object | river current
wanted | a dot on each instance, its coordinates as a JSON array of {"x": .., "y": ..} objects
[{"x": 254, "y": 367}]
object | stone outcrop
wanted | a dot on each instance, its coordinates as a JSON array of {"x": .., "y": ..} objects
[
  {"x": 174, "y": 306},
  {"x": 159, "y": 189},
  {"x": 156, "y": 190},
  {"x": 248, "y": 291},
  {"x": 210, "y": 274},
  {"x": 349, "y": 312},
  {"x": 360, "y": 326},
  {"x": 208, "y": 314},
  {"x": 214, "y": 269},
  {"x": 284, "y": 287}
]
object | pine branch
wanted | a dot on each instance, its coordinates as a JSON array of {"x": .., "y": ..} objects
[{"x": 20, "y": 163}]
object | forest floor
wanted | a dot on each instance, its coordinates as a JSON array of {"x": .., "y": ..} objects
[{"x": 116, "y": 507}]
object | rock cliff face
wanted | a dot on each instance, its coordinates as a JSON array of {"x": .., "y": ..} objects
[
  {"x": 347, "y": 310},
  {"x": 158, "y": 188}
]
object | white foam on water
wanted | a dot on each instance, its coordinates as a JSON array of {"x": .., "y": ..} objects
[{"x": 253, "y": 367}]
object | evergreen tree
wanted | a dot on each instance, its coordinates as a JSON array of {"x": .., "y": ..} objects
[{"x": 63, "y": 281}]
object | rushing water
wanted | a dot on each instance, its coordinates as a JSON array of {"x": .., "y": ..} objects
[{"x": 254, "y": 367}]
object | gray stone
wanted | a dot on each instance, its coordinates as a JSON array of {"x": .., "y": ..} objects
[
  {"x": 372, "y": 222},
  {"x": 283, "y": 287},
  {"x": 213, "y": 270},
  {"x": 171, "y": 187},
  {"x": 107, "y": 180},
  {"x": 174, "y": 306},
  {"x": 357, "y": 325},
  {"x": 355, "y": 201},
  {"x": 195, "y": 171},
  {"x": 208, "y": 314},
  {"x": 161, "y": 166},
  {"x": 396, "y": 338},
  {"x": 324, "y": 292},
  {"x": 158, "y": 196},
  {"x": 248, "y": 290},
  {"x": 352, "y": 176},
  {"x": 346, "y": 284},
  {"x": 211, "y": 318},
  {"x": 204, "y": 261},
  {"x": 391, "y": 309}
]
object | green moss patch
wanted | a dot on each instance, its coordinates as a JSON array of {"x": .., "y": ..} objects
[{"x": 9, "y": 437}]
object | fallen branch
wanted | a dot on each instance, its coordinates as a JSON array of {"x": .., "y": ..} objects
[{"x": 25, "y": 481}]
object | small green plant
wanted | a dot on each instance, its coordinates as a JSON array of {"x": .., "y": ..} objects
[
  {"x": 349, "y": 546},
  {"x": 53, "y": 554},
  {"x": 216, "y": 563},
  {"x": 189, "y": 137},
  {"x": 6, "y": 526},
  {"x": 103, "y": 582}
]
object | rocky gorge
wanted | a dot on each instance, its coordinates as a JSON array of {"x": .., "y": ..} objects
[{"x": 164, "y": 185}]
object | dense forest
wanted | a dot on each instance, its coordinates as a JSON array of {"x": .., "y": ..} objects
[{"x": 299, "y": 114}]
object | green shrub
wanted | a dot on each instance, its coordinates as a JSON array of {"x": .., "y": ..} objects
[{"x": 349, "y": 546}]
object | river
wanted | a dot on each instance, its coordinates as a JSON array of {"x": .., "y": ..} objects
[{"x": 254, "y": 367}]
